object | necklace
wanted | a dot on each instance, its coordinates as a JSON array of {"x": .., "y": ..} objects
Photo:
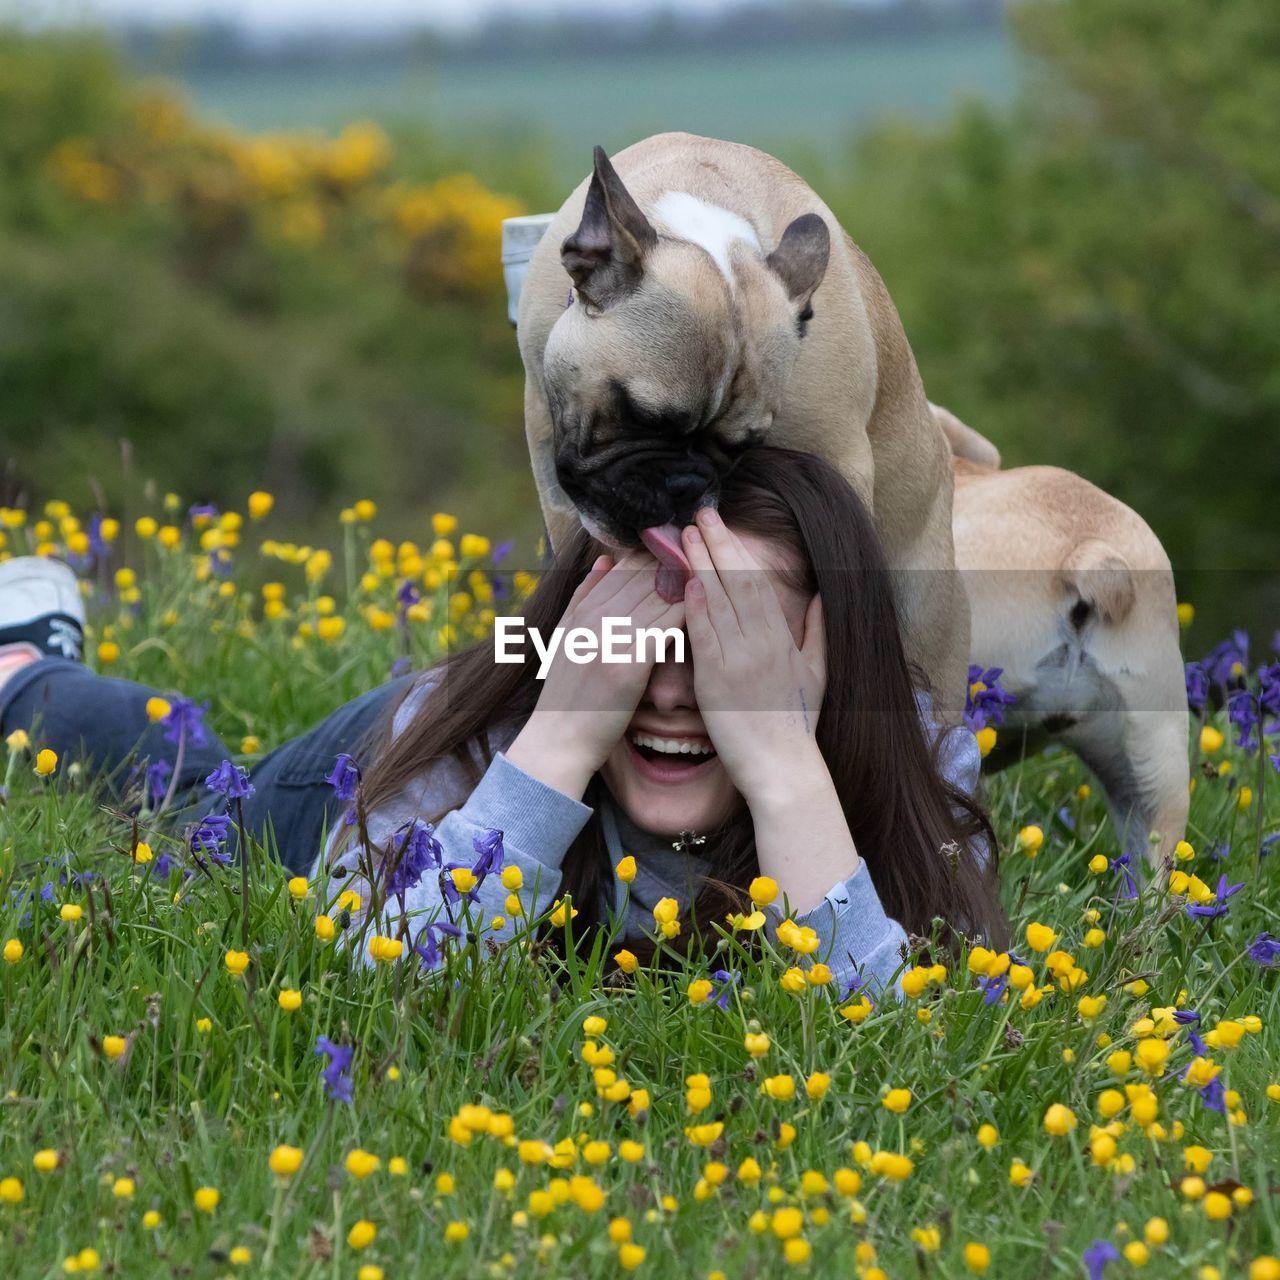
[{"x": 687, "y": 840}]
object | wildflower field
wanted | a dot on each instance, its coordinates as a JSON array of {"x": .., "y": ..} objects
[{"x": 196, "y": 1081}]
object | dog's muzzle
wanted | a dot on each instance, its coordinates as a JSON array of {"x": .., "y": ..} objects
[{"x": 638, "y": 490}]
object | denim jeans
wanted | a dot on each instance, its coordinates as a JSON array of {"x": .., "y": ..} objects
[{"x": 102, "y": 722}]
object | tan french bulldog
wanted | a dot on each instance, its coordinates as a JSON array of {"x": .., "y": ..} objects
[
  {"x": 1073, "y": 596},
  {"x": 695, "y": 297}
]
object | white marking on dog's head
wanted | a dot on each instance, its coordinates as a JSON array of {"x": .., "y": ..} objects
[{"x": 707, "y": 225}]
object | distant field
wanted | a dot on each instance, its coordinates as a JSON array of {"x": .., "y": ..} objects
[{"x": 803, "y": 102}]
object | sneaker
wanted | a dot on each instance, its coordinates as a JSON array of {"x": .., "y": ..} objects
[{"x": 40, "y": 608}]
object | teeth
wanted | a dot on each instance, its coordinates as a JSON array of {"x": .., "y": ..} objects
[{"x": 672, "y": 746}]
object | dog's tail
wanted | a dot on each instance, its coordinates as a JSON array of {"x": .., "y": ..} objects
[
  {"x": 963, "y": 441},
  {"x": 1096, "y": 579}
]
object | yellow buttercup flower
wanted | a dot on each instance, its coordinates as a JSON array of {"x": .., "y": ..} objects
[
  {"x": 46, "y": 762},
  {"x": 284, "y": 1161},
  {"x": 362, "y": 1234},
  {"x": 1030, "y": 840},
  {"x": 360, "y": 1163},
  {"x": 384, "y": 950},
  {"x": 260, "y": 504},
  {"x": 207, "y": 1199},
  {"x": 236, "y": 961},
  {"x": 1059, "y": 1120},
  {"x": 625, "y": 870}
]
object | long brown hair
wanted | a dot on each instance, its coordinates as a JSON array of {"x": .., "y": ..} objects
[{"x": 922, "y": 839}]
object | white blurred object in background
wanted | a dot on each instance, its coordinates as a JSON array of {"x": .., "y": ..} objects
[{"x": 520, "y": 237}]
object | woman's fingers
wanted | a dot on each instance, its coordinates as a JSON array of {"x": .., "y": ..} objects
[
  {"x": 595, "y": 575},
  {"x": 703, "y": 639},
  {"x": 719, "y": 609},
  {"x": 738, "y": 570},
  {"x": 623, "y": 572}
]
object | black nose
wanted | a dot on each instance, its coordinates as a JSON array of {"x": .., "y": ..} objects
[{"x": 685, "y": 487}]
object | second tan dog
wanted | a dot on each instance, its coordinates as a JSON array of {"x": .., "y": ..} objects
[{"x": 1072, "y": 595}]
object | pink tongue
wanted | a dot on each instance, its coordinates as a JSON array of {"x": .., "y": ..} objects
[{"x": 663, "y": 541}]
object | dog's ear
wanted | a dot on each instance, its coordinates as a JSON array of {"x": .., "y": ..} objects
[
  {"x": 800, "y": 260},
  {"x": 605, "y": 256}
]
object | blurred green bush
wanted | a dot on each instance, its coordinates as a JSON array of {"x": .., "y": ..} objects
[
  {"x": 216, "y": 311},
  {"x": 1093, "y": 279}
]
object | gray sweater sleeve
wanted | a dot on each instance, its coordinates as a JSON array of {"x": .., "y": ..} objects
[
  {"x": 538, "y": 825},
  {"x": 858, "y": 940}
]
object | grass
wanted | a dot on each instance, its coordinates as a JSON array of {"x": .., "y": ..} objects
[{"x": 213, "y": 1075}]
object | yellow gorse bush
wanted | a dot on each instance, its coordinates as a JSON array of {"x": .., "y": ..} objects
[{"x": 296, "y": 189}]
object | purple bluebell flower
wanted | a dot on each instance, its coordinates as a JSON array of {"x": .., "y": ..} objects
[
  {"x": 231, "y": 781},
  {"x": 1197, "y": 679},
  {"x": 186, "y": 717},
  {"x": 401, "y": 667},
  {"x": 203, "y": 510},
  {"x": 723, "y": 982},
  {"x": 1065, "y": 817},
  {"x": 1269, "y": 694},
  {"x": 337, "y": 1074},
  {"x": 1097, "y": 1255},
  {"x": 157, "y": 781},
  {"x": 1220, "y": 851},
  {"x": 1214, "y": 1096},
  {"x": 1270, "y": 842},
  {"x": 988, "y": 704},
  {"x": 407, "y": 594},
  {"x": 98, "y": 545},
  {"x": 210, "y": 835},
  {"x": 503, "y": 550},
  {"x": 1185, "y": 1017},
  {"x": 1219, "y": 907},
  {"x": 161, "y": 865},
  {"x": 1242, "y": 711},
  {"x": 344, "y": 777},
  {"x": 428, "y": 948},
  {"x": 420, "y": 851},
  {"x": 994, "y": 988},
  {"x": 492, "y": 854},
  {"x": 1122, "y": 864},
  {"x": 857, "y": 986},
  {"x": 222, "y": 563},
  {"x": 1264, "y": 950},
  {"x": 1224, "y": 658}
]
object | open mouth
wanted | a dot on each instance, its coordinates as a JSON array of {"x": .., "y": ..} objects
[{"x": 675, "y": 759}]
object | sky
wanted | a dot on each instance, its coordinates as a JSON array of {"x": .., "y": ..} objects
[{"x": 277, "y": 15}]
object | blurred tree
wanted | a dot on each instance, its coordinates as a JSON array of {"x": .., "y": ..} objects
[{"x": 1093, "y": 279}]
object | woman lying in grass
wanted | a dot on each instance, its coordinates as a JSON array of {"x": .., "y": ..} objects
[{"x": 787, "y": 745}]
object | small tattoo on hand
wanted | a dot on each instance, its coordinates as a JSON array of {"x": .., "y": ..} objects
[{"x": 804, "y": 706}]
